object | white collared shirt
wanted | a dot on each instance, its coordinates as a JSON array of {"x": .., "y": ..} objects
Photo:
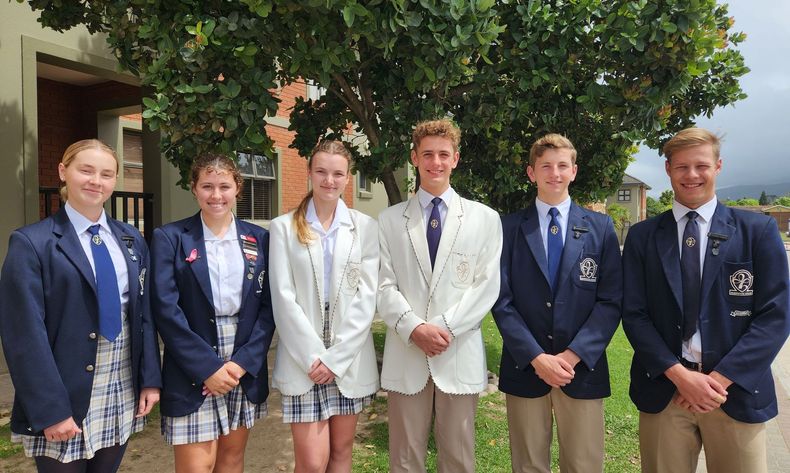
[
  {"x": 81, "y": 225},
  {"x": 225, "y": 268},
  {"x": 544, "y": 218},
  {"x": 328, "y": 238},
  {"x": 692, "y": 349},
  {"x": 425, "y": 199}
]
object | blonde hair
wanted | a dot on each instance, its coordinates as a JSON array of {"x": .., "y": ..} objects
[
  {"x": 443, "y": 127},
  {"x": 217, "y": 163},
  {"x": 689, "y": 138},
  {"x": 303, "y": 232},
  {"x": 75, "y": 148},
  {"x": 550, "y": 141}
]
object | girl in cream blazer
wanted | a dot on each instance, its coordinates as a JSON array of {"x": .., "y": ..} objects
[{"x": 324, "y": 271}]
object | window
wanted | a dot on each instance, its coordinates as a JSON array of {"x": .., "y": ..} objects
[
  {"x": 624, "y": 195},
  {"x": 256, "y": 201},
  {"x": 132, "y": 160},
  {"x": 363, "y": 183}
]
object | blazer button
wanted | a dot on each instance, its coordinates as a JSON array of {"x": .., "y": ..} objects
[
  {"x": 211, "y": 320},
  {"x": 678, "y": 327},
  {"x": 92, "y": 335},
  {"x": 214, "y": 347},
  {"x": 30, "y": 429},
  {"x": 548, "y": 304},
  {"x": 550, "y": 337},
  {"x": 193, "y": 384},
  {"x": 89, "y": 368}
]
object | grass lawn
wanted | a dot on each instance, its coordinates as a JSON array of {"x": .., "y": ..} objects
[
  {"x": 6, "y": 447},
  {"x": 493, "y": 452}
]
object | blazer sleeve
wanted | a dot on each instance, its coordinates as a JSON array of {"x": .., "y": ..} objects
[
  {"x": 351, "y": 332},
  {"x": 37, "y": 382},
  {"x": 650, "y": 349},
  {"x": 595, "y": 334},
  {"x": 747, "y": 362},
  {"x": 516, "y": 335},
  {"x": 150, "y": 368},
  {"x": 392, "y": 305},
  {"x": 193, "y": 354},
  {"x": 252, "y": 355},
  {"x": 296, "y": 332},
  {"x": 477, "y": 300}
]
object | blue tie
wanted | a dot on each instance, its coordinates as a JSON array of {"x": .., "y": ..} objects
[
  {"x": 434, "y": 232},
  {"x": 690, "y": 272},
  {"x": 554, "y": 244},
  {"x": 107, "y": 287}
]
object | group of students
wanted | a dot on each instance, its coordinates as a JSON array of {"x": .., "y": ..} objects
[{"x": 82, "y": 302}]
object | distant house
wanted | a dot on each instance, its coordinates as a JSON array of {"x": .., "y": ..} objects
[
  {"x": 632, "y": 194},
  {"x": 780, "y": 213}
]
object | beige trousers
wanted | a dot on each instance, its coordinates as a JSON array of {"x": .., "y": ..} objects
[
  {"x": 580, "y": 432},
  {"x": 454, "y": 430},
  {"x": 670, "y": 442}
]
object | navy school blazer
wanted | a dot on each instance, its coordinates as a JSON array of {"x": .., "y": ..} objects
[
  {"x": 743, "y": 320},
  {"x": 49, "y": 321},
  {"x": 183, "y": 309},
  {"x": 582, "y": 316}
]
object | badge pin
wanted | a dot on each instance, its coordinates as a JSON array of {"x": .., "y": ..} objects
[
  {"x": 691, "y": 241},
  {"x": 260, "y": 279},
  {"x": 554, "y": 229},
  {"x": 249, "y": 275},
  {"x": 434, "y": 223},
  {"x": 96, "y": 240}
]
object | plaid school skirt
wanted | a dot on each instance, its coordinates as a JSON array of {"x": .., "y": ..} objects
[
  {"x": 320, "y": 403},
  {"x": 218, "y": 415},
  {"x": 110, "y": 419}
]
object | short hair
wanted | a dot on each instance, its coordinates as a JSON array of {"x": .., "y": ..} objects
[
  {"x": 215, "y": 162},
  {"x": 443, "y": 127},
  {"x": 550, "y": 141},
  {"x": 689, "y": 138},
  {"x": 75, "y": 148}
]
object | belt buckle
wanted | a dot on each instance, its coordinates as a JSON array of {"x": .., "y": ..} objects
[{"x": 691, "y": 365}]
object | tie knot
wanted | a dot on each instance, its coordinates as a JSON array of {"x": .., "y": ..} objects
[
  {"x": 692, "y": 215},
  {"x": 94, "y": 229},
  {"x": 553, "y": 212},
  {"x": 436, "y": 201}
]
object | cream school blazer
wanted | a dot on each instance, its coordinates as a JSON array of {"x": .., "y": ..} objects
[
  {"x": 455, "y": 295},
  {"x": 296, "y": 282}
]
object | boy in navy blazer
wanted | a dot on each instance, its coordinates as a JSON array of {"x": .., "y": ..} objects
[
  {"x": 558, "y": 308},
  {"x": 706, "y": 310}
]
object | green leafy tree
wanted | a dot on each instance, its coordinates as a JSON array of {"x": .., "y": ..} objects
[
  {"x": 784, "y": 200},
  {"x": 654, "y": 207},
  {"x": 744, "y": 201},
  {"x": 621, "y": 217},
  {"x": 666, "y": 199},
  {"x": 607, "y": 73},
  {"x": 763, "y": 199}
]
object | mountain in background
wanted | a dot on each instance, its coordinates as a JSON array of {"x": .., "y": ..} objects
[{"x": 752, "y": 191}]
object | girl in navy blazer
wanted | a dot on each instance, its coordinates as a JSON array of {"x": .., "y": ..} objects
[
  {"x": 76, "y": 327},
  {"x": 210, "y": 297}
]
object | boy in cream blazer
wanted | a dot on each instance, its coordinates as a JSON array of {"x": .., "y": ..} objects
[{"x": 439, "y": 276}]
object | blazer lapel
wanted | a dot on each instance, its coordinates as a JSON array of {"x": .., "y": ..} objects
[
  {"x": 317, "y": 262},
  {"x": 132, "y": 265},
  {"x": 69, "y": 243},
  {"x": 419, "y": 242},
  {"x": 450, "y": 229},
  {"x": 344, "y": 244},
  {"x": 721, "y": 225},
  {"x": 530, "y": 228},
  {"x": 192, "y": 240},
  {"x": 250, "y": 260},
  {"x": 573, "y": 246},
  {"x": 667, "y": 245}
]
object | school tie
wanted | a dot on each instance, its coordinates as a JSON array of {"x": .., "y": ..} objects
[
  {"x": 434, "y": 232},
  {"x": 690, "y": 271},
  {"x": 106, "y": 287},
  {"x": 554, "y": 244}
]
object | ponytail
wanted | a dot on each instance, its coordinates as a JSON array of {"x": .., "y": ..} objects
[{"x": 303, "y": 232}]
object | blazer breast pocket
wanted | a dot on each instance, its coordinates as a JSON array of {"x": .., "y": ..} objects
[
  {"x": 737, "y": 280},
  {"x": 462, "y": 269},
  {"x": 350, "y": 284},
  {"x": 585, "y": 272}
]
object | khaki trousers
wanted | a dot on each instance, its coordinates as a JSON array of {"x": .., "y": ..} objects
[
  {"x": 454, "y": 430},
  {"x": 670, "y": 442},
  {"x": 580, "y": 431}
]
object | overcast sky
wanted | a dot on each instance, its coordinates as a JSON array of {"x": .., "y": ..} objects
[{"x": 756, "y": 145}]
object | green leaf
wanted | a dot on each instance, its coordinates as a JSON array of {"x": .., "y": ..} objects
[
  {"x": 150, "y": 103},
  {"x": 348, "y": 15}
]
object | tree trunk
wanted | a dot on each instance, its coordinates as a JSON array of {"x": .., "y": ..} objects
[{"x": 391, "y": 186}]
